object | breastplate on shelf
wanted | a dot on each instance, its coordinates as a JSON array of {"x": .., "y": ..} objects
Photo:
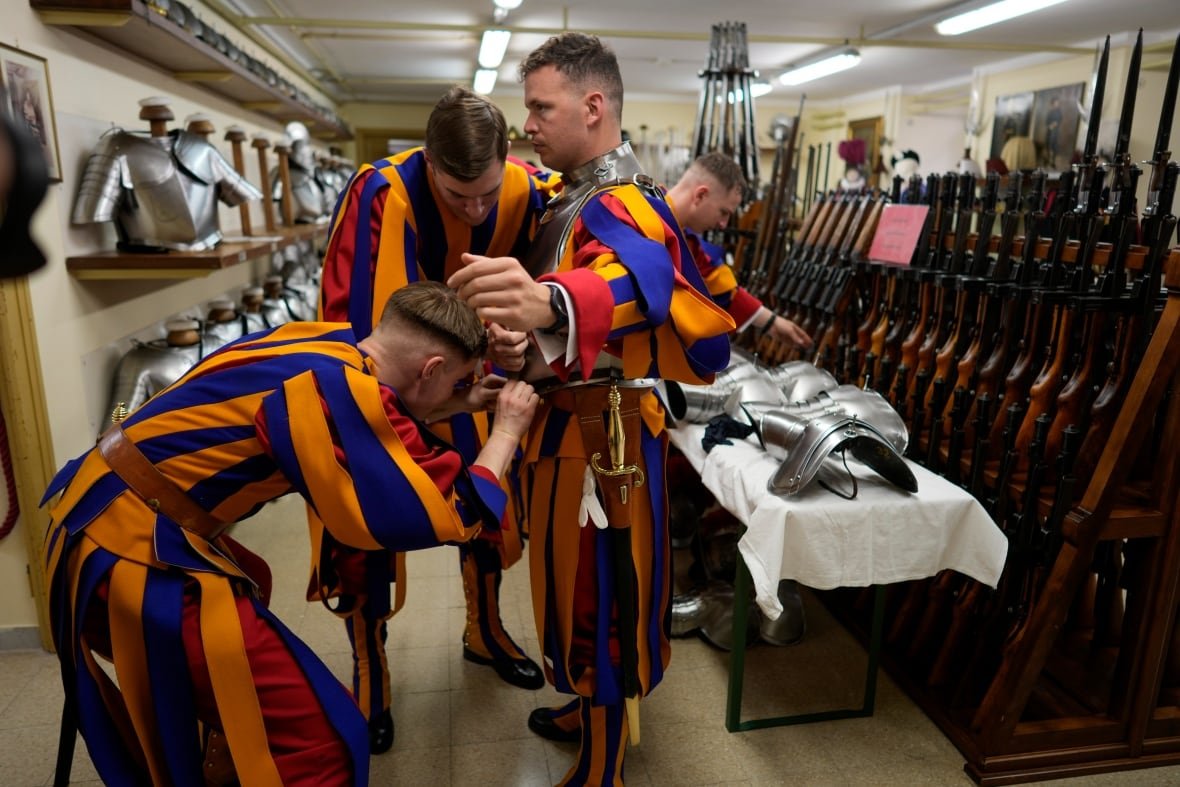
[{"x": 159, "y": 191}]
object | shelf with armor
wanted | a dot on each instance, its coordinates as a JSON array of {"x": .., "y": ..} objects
[
  {"x": 161, "y": 191},
  {"x": 148, "y": 367},
  {"x": 170, "y": 35}
]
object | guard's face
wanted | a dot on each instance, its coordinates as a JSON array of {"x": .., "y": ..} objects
[
  {"x": 470, "y": 201},
  {"x": 557, "y": 119},
  {"x": 716, "y": 208}
]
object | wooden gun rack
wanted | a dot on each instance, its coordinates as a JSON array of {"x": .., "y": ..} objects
[{"x": 1068, "y": 694}]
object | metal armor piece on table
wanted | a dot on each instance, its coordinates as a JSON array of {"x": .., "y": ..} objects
[
  {"x": 848, "y": 400},
  {"x": 159, "y": 191},
  {"x": 746, "y": 381},
  {"x": 804, "y": 445},
  {"x": 614, "y": 168}
]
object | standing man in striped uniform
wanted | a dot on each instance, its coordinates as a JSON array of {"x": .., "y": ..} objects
[
  {"x": 408, "y": 218},
  {"x": 144, "y": 578},
  {"x": 613, "y": 302}
]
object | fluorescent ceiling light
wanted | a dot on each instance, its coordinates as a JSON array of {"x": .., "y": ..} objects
[
  {"x": 507, "y": 5},
  {"x": 758, "y": 88},
  {"x": 485, "y": 80},
  {"x": 990, "y": 15},
  {"x": 492, "y": 47},
  {"x": 821, "y": 68}
]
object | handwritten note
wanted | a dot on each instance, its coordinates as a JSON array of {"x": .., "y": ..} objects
[{"x": 897, "y": 233}]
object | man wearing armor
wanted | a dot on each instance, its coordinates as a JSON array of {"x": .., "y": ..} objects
[
  {"x": 143, "y": 575},
  {"x": 613, "y": 302},
  {"x": 407, "y": 218}
]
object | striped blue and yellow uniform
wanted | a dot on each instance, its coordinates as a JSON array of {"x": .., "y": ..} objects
[
  {"x": 636, "y": 294},
  {"x": 391, "y": 228},
  {"x": 297, "y": 408}
]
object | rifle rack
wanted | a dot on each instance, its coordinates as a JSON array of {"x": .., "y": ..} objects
[{"x": 1071, "y": 691}]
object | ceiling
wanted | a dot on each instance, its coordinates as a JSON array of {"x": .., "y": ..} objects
[{"x": 381, "y": 51}]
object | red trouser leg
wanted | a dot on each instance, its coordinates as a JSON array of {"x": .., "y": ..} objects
[{"x": 305, "y": 746}]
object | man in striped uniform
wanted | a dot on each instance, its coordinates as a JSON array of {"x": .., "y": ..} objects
[
  {"x": 613, "y": 300},
  {"x": 144, "y": 577},
  {"x": 408, "y": 218},
  {"x": 705, "y": 198}
]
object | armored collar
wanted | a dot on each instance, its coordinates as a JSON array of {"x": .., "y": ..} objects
[{"x": 614, "y": 166}]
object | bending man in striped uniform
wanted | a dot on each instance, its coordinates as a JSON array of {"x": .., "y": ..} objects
[
  {"x": 143, "y": 575},
  {"x": 614, "y": 302},
  {"x": 402, "y": 219}
]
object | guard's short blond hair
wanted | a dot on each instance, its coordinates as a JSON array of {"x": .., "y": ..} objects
[
  {"x": 437, "y": 313},
  {"x": 466, "y": 134},
  {"x": 721, "y": 168}
]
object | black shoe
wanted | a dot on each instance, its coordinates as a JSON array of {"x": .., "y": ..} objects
[
  {"x": 381, "y": 733},
  {"x": 541, "y": 722},
  {"x": 523, "y": 673}
]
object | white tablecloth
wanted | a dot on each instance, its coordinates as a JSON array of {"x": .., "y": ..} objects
[{"x": 824, "y": 541}]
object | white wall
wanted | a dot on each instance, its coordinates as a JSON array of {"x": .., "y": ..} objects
[{"x": 81, "y": 324}]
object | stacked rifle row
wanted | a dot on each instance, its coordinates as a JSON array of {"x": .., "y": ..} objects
[
  {"x": 1009, "y": 344},
  {"x": 725, "y": 113}
]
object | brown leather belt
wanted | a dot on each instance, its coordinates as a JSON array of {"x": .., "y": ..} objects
[{"x": 160, "y": 494}]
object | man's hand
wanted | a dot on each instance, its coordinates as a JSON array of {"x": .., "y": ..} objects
[
  {"x": 482, "y": 395},
  {"x": 788, "y": 332},
  {"x": 515, "y": 405},
  {"x": 506, "y": 348},
  {"x": 501, "y": 291}
]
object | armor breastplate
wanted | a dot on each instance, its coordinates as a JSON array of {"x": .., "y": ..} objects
[
  {"x": 614, "y": 168},
  {"x": 159, "y": 191},
  {"x": 146, "y": 370},
  {"x": 310, "y": 200}
]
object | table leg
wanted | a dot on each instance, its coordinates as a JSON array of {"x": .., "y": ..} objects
[{"x": 737, "y": 665}]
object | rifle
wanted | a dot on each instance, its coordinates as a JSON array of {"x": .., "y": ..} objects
[
  {"x": 913, "y": 342},
  {"x": 990, "y": 315},
  {"x": 968, "y": 286},
  {"x": 940, "y": 324},
  {"x": 835, "y": 304},
  {"x": 1020, "y": 375},
  {"x": 1088, "y": 216}
]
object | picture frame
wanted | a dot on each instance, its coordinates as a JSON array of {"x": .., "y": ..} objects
[
  {"x": 1055, "y": 121},
  {"x": 871, "y": 131},
  {"x": 25, "y": 77},
  {"x": 1013, "y": 118}
]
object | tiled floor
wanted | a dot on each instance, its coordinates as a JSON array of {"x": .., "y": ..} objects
[{"x": 458, "y": 724}]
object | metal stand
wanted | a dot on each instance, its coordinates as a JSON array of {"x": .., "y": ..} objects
[{"x": 737, "y": 665}]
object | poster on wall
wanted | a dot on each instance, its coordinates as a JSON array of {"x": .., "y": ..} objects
[
  {"x": 1055, "y": 125},
  {"x": 26, "y": 79},
  {"x": 1013, "y": 118}
]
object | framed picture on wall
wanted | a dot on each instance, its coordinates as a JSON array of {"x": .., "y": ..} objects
[
  {"x": 1013, "y": 119},
  {"x": 26, "y": 80},
  {"x": 870, "y": 131},
  {"x": 1055, "y": 125}
]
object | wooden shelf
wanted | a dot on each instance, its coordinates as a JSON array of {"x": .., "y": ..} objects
[
  {"x": 106, "y": 265},
  {"x": 134, "y": 27}
]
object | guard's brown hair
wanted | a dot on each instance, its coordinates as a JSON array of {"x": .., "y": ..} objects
[
  {"x": 466, "y": 134},
  {"x": 439, "y": 314},
  {"x": 585, "y": 61}
]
